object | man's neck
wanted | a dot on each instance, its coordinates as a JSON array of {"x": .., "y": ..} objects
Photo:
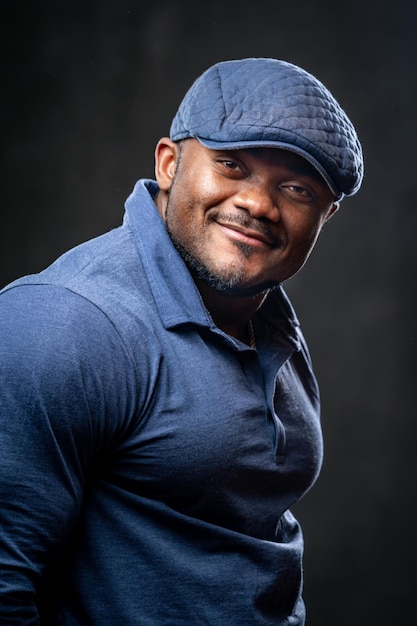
[{"x": 229, "y": 312}]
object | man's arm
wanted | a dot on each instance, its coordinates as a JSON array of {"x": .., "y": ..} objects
[{"x": 61, "y": 377}]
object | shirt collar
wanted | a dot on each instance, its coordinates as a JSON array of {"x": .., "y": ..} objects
[{"x": 175, "y": 293}]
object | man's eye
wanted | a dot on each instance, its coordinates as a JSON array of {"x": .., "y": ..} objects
[
  {"x": 298, "y": 191},
  {"x": 231, "y": 165}
]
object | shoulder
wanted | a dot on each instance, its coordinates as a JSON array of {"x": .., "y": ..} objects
[
  {"x": 49, "y": 333},
  {"x": 54, "y": 338},
  {"x": 90, "y": 295},
  {"x": 62, "y": 363},
  {"x": 38, "y": 313}
]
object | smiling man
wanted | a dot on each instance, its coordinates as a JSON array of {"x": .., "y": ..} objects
[
  {"x": 248, "y": 221},
  {"x": 159, "y": 415}
]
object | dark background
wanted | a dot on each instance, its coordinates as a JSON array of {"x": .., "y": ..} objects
[{"x": 89, "y": 87}]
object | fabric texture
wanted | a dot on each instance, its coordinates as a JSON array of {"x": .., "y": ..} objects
[
  {"x": 268, "y": 102},
  {"x": 149, "y": 461}
]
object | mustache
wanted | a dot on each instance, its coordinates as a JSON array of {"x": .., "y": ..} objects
[{"x": 245, "y": 221}]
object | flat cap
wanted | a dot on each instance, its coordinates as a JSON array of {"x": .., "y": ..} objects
[{"x": 262, "y": 102}]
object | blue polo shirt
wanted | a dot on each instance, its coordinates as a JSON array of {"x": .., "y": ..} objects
[{"x": 148, "y": 460}]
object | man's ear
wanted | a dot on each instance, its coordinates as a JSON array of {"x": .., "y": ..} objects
[
  {"x": 335, "y": 207},
  {"x": 166, "y": 155}
]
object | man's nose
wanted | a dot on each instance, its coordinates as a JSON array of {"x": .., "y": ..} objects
[{"x": 260, "y": 201}]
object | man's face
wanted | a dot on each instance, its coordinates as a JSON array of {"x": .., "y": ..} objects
[{"x": 243, "y": 220}]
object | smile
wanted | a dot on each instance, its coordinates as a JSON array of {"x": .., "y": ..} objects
[{"x": 247, "y": 236}]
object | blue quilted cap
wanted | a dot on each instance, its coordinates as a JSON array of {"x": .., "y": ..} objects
[{"x": 260, "y": 102}]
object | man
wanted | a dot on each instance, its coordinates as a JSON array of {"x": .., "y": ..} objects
[{"x": 159, "y": 413}]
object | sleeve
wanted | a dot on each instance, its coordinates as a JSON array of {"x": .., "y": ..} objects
[{"x": 64, "y": 398}]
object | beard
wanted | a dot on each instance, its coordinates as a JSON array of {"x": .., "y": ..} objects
[{"x": 231, "y": 284}]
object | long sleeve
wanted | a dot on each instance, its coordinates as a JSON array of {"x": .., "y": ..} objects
[{"x": 62, "y": 399}]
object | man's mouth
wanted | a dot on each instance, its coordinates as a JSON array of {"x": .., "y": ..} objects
[{"x": 257, "y": 237}]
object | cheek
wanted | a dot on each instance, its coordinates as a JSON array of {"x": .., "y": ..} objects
[
  {"x": 183, "y": 219},
  {"x": 188, "y": 204},
  {"x": 306, "y": 229},
  {"x": 302, "y": 238}
]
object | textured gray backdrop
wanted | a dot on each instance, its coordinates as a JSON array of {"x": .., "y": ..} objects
[{"x": 89, "y": 87}]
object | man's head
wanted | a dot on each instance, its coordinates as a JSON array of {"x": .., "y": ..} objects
[
  {"x": 258, "y": 157},
  {"x": 261, "y": 102}
]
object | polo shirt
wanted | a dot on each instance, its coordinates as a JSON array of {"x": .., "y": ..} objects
[{"x": 149, "y": 461}]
